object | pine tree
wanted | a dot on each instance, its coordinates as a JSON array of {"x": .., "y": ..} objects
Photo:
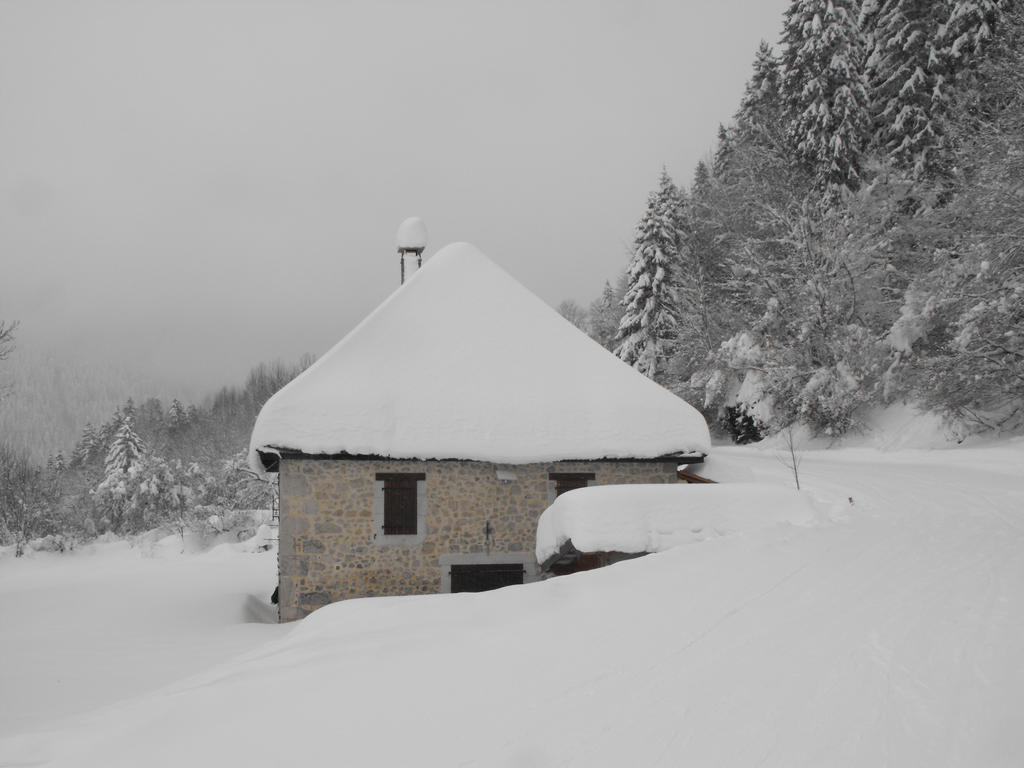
[
  {"x": 762, "y": 151},
  {"x": 723, "y": 153},
  {"x": 825, "y": 89},
  {"x": 85, "y": 448},
  {"x": 125, "y": 449},
  {"x": 907, "y": 77},
  {"x": 699, "y": 294},
  {"x": 759, "y": 115},
  {"x": 149, "y": 417},
  {"x": 107, "y": 431},
  {"x": 971, "y": 24},
  {"x": 961, "y": 324},
  {"x": 648, "y": 328},
  {"x": 177, "y": 417},
  {"x": 701, "y": 180}
]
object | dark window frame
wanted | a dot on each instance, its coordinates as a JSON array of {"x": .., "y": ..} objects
[
  {"x": 483, "y": 577},
  {"x": 400, "y": 502},
  {"x": 569, "y": 481}
]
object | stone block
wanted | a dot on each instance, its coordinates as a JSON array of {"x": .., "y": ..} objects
[
  {"x": 311, "y": 545},
  {"x": 294, "y": 485}
]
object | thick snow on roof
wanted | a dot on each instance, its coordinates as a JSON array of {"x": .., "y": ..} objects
[
  {"x": 653, "y": 518},
  {"x": 463, "y": 362},
  {"x": 412, "y": 234}
]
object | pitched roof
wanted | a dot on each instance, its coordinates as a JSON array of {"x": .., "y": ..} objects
[{"x": 463, "y": 362}]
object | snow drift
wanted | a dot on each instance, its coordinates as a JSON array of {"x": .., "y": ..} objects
[{"x": 653, "y": 518}]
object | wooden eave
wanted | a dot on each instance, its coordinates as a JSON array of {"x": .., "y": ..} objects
[
  {"x": 690, "y": 477},
  {"x": 270, "y": 457},
  {"x": 568, "y": 554}
]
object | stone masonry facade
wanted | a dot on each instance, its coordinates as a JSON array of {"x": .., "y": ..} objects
[{"x": 332, "y": 546}]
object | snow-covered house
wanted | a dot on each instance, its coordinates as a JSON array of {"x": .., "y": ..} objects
[{"x": 417, "y": 455}]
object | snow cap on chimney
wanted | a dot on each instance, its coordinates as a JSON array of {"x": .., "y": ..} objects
[{"x": 412, "y": 235}]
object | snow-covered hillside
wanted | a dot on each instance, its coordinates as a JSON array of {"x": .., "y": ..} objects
[{"x": 888, "y": 631}]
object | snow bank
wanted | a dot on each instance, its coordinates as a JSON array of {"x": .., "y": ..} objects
[
  {"x": 113, "y": 619},
  {"x": 464, "y": 362},
  {"x": 653, "y": 518},
  {"x": 263, "y": 540},
  {"x": 901, "y": 425},
  {"x": 893, "y": 638},
  {"x": 723, "y": 467},
  {"x": 891, "y": 428}
]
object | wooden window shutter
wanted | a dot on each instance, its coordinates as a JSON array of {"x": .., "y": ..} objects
[
  {"x": 400, "y": 511},
  {"x": 567, "y": 481}
]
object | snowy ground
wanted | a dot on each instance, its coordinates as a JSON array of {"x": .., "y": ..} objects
[
  {"x": 888, "y": 632},
  {"x": 83, "y": 629}
]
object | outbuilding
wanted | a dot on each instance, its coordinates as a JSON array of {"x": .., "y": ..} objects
[{"x": 594, "y": 527}]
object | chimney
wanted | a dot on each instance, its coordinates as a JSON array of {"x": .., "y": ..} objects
[{"x": 411, "y": 239}]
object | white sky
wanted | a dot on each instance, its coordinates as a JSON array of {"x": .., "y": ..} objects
[{"x": 195, "y": 187}]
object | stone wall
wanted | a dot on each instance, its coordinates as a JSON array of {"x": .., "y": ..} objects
[{"x": 331, "y": 549}]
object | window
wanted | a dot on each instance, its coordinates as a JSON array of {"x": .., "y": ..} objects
[
  {"x": 567, "y": 481},
  {"x": 401, "y": 510}
]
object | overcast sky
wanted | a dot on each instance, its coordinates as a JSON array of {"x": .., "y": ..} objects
[{"x": 195, "y": 187}]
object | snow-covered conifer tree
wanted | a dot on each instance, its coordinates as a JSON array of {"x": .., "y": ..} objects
[
  {"x": 959, "y": 335},
  {"x": 722, "y": 160},
  {"x": 125, "y": 449},
  {"x": 759, "y": 112},
  {"x": 85, "y": 449},
  {"x": 701, "y": 180},
  {"x": 907, "y": 78},
  {"x": 113, "y": 494},
  {"x": 177, "y": 417},
  {"x": 971, "y": 24},
  {"x": 762, "y": 151},
  {"x": 825, "y": 89},
  {"x": 700, "y": 287},
  {"x": 106, "y": 432},
  {"x": 648, "y": 328}
]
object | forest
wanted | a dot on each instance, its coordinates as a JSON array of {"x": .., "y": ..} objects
[
  {"x": 855, "y": 239},
  {"x": 148, "y": 466}
]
